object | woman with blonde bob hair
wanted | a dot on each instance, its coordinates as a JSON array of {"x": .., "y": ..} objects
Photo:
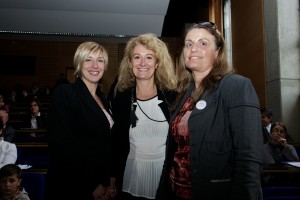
[
  {"x": 83, "y": 51},
  {"x": 79, "y": 125},
  {"x": 141, "y": 105}
]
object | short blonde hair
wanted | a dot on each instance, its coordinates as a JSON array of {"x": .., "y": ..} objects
[{"x": 83, "y": 51}]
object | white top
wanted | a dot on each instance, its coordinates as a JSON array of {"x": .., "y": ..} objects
[
  {"x": 147, "y": 150},
  {"x": 111, "y": 121},
  {"x": 269, "y": 127},
  {"x": 8, "y": 152}
]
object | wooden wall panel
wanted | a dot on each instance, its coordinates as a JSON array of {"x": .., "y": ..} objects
[
  {"x": 53, "y": 58},
  {"x": 113, "y": 66},
  {"x": 248, "y": 43}
]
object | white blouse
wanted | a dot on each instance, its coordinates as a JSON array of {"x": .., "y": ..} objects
[
  {"x": 8, "y": 152},
  {"x": 33, "y": 121},
  {"x": 147, "y": 150}
]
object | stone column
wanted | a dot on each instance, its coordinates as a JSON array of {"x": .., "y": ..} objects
[{"x": 282, "y": 50}]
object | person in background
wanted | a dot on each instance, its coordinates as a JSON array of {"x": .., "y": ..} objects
[
  {"x": 144, "y": 92},
  {"x": 47, "y": 92},
  {"x": 24, "y": 97},
  {"x": 79, "y": 126},
  {"x": 277, "y": 149},
  {"x": 62, "y": 79},
  {"x": 3, "y": 105},
  {"x": 12, "y": 99},
  {"x": 8, "y": 151},
  {"x": 10, "y": 181},
  {"x": 215, "y": 141},
  {"x": 9, "y": 132},
  {"x": 35, "y": 89},
  {"x": 266, "y": 121},
  {"x": 17, "y": 88},
  {"x": 35, "y": 118}
]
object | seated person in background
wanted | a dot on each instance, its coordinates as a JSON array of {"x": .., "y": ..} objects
[
  {"x": 24, "y": 97},
  {"x": 266, "y": 121},
  {"x": 277, "y": 150},
  {"x": 8, "y": 131},
  {"x": 12, "y": 99},
  {"x": 61, "y": 80},
  {"x": 3, "y": 105},
  {"x": 8, "y": 151},
  {"x": 35, "y": 119},
  {"x": 10, "y": 180},
  {"x": 47, "y": 92},
  {"x": 35, "y": 88}
]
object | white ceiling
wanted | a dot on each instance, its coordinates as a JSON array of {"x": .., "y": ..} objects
[{"x": 100, "y": 17}]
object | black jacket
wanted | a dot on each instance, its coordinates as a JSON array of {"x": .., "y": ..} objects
[
  {"x": 79, "y": 142},
  {"x": 40, "y": 120},
  {"x": 9, "y": 133},
  {"x": 225, "y": 144}
]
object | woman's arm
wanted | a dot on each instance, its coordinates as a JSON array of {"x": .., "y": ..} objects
[
  {"x": 289, "y": 153},
  {"x": 245, "y": 127}
]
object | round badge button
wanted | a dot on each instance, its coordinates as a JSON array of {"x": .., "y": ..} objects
[{"x": 201, "y": 105}]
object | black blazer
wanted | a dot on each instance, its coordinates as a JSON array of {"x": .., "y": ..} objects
[
  {"x": 41, "y": 121},
  {"x": 121, "y": 106},
  {"x": 79, "y": 141},
  {"x": 225, "y": 143},
  {"x": 266, "y": 135},
  {"x": 9, "y": 133}
]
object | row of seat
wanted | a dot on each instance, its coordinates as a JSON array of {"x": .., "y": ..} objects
[
  {"x": 34, "y": 151},
  {"x": 34, "y": 184},
  {"x": 281, "y": 193}
]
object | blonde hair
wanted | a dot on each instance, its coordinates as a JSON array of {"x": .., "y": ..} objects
[
  {"x": 83, "y": 51},
  {"x": 164, "y": 76}
]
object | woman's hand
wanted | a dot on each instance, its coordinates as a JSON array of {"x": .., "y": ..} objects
[
  {"x": 282, "y": 142},
  {"x": 112, "y": 189},
  {"x": 99, "y": 193},
  {"x": 108, "y": 193}
]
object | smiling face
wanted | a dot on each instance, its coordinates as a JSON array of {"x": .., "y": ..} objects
[
  {"x": 143, "y": 63},
  {"x": 93, "y": 68},
  {"x": 199, "y": 51}
]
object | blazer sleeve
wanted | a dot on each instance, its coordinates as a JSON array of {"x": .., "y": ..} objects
[
  {"x": 245, "y": 127},
  {"x": 120, "y": 135},
  {"x": 9, "y": 133},
  {"x": 62, "y": 125}
]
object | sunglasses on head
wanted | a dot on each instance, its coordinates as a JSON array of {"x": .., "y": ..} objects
[{"x": 207, "y": 25}]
